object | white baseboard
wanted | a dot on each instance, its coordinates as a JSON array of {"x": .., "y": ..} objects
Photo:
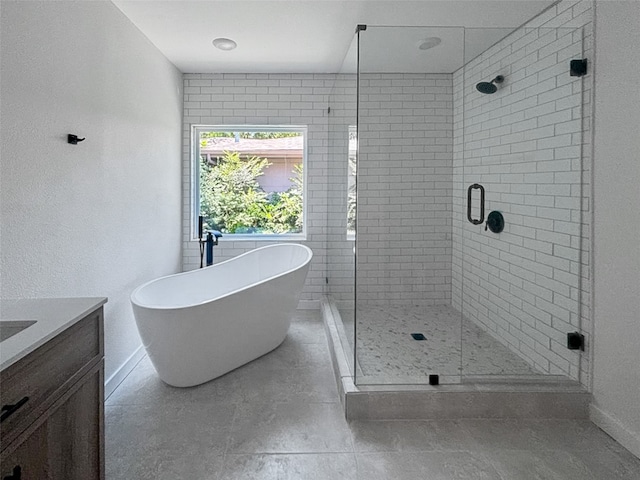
[
  {"x": 121, "y": 373},
  {"x": 615, "y": 428}
]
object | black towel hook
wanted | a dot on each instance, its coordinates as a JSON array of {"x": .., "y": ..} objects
[{"x": 73, "y": 139}]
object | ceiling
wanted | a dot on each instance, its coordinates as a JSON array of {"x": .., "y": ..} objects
[
  {"x": 314, "y": 36},
  {"x": 396, "y": 49}
]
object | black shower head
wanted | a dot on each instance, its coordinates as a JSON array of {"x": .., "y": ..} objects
[
  {"x": 486, "y": 87},
  {"x": 489, "y": 87}
]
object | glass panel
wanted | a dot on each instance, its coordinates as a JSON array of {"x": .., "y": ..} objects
[
  {"x": 404, "y": 215},
  {"x": 519, "y": 289},
  {"x": 499, "y": 112},
  {"x": 341, "y": 200}
]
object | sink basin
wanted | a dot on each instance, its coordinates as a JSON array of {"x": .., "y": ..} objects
[{"x": 8, "y": 328}]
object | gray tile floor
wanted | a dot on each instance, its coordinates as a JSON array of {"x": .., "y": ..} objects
[{"x": 279, "y": 417}]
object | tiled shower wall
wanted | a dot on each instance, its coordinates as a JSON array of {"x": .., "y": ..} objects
[
  {"x": 529, "y": 145},
  {"x": 405, "y": 189},
  {"x": 340, "y": 253},
  {"x": 405, "y": 225},
  {"x": 263, "y": 99}
]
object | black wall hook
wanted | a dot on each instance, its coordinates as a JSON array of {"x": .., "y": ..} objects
[{"x": 73, "y": 139}]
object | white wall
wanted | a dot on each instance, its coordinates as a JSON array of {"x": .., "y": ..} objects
[
  {"x": 99, "y": 218},
  {"x": 263, "y": 99},
  {"x": 616, "y": 378}
]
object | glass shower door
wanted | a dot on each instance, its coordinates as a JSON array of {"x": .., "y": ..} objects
[
  {"x": 340, "y": 226},
  {"x": 520, "y": 286}
]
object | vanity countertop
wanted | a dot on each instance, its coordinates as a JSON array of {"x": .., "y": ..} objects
[{"x": 51, "y": 316}]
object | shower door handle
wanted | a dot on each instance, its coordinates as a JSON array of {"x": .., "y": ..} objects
[{"x": 469, "y": 190}]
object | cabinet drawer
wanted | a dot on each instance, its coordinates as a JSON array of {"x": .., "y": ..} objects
[{"x": 43, "y": 375}]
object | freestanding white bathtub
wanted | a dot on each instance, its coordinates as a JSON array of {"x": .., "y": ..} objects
[{"x": 198, "y": 325}]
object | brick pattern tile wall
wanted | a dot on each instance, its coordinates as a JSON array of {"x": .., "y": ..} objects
[
  {"x": 263, "y": 99},
  {"x": 340, "y": 253},
  {"x": 405, "y": 164},
  {"x": 529, "y": 145}
]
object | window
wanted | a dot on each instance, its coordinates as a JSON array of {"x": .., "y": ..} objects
[
  {"x": 250, "y": 180},
  {"x": 351, "y": 182}
]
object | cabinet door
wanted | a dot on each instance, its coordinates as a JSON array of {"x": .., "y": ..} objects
[
  {"x": 68, "y": 445},
  {"x": 30, "y": 458}
]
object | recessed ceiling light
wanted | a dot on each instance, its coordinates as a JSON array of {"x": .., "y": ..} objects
[
  {"x": 224, "y": 43},
  {"x": 430, "y": 42}
]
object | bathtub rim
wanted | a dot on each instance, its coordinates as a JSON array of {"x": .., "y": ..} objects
[{"x": 246, "y": 287}]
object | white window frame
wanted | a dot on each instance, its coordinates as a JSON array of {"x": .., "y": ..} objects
[{"x": 195, "y": 180}]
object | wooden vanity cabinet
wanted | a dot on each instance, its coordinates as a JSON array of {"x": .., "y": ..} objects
[{"x": 58, "y": 433}]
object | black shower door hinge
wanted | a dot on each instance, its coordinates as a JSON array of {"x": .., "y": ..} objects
[
  {"x": 578, "y": 68},
  {"x": 575, "y": 341}
]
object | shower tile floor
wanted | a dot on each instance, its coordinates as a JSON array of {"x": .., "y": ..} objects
[
  {"x": 279, "y": 417},
  {"x": 387, "y": 354}
]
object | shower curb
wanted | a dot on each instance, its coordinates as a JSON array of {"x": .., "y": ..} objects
[{"x": 533, "y": 400}]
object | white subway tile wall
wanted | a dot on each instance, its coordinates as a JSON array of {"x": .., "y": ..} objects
[
  {"x": 529, "y": 145},
  {"x": 405, "y": 173},
  {"x": 340, "y": 249},
  {"x": 263, "y": 99}
]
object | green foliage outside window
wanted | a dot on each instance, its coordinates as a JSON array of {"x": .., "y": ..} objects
[
  {"x": 232, "y": 201},
  {"x": 351, "y": 196}
]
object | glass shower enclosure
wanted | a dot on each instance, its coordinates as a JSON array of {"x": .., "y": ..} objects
[{"x": 455, "y": 204}]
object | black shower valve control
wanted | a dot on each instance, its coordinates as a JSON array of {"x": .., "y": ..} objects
[{"x": 495, "y": 222}]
